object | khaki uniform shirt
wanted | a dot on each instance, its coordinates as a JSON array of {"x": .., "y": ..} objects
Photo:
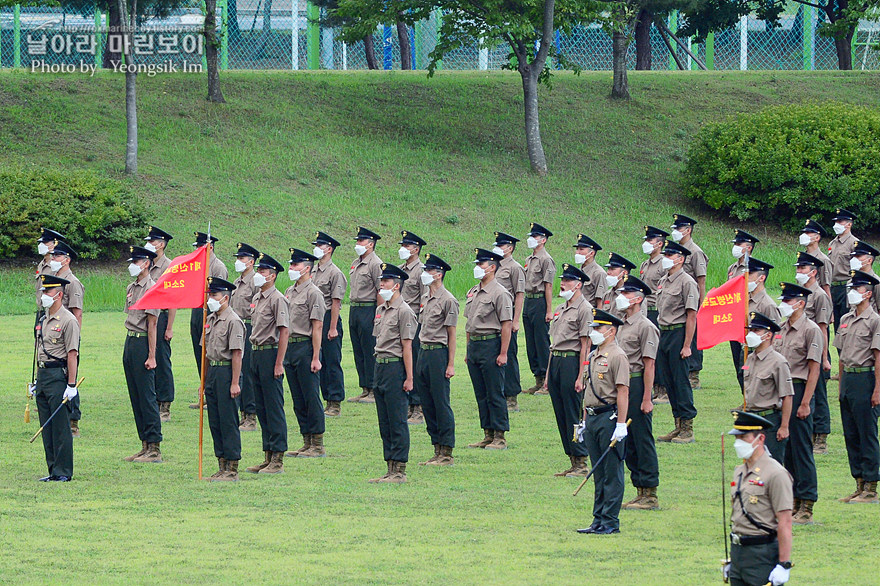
[
  {"x": 610, "y": 306},
  {"x": 823, "y": 274},
  {"x": 875, "y": 300},
  {"x": 271, "y": 312},
  {"x": 763, "y": 303},
  {"x": 160, "y": 265},
  {"x": 638, "y": 338},
  {"x": 736, "y": 269},
  {"x": 540, "y": 269},
  {"x": 800, "y": 342},
  {"x": 136, "y": 320},
  {"x": 571, "y": 322},
  {"x": 595, "y": 288},
  {"x": 225, "y": 332},
  {"x": 486, "y": 307},
  {"x": 42, "y": 269},
  {"x": 765, "y": 489},
  {"x": 819, "y": 307},
  {"x": 364, "y": 277},
  {"x": 767, "y": 380},
  {"x": 839, "y": 251},
  {"x": 242, "y": 298},
  {"x": 394, "y": 322},
  {"x": 439, "y": 311},
  {"x": 58, "y": 335},
  {"x": 511, "y": 276},
  {"x": 608, "y": 367},
  {"x": 697, "y": 263},
  {"x": 857, "y": 338},
  {"x": 412, "y": 289},
  {"x": 676, "y": 294},
  {"x": 306, "y": 304},
  {"x": 651, "y": 272},
  {"x": 74, "y": 293},
  {"x": 331, "y": 281},
  {"x": 216, "y": 268}
]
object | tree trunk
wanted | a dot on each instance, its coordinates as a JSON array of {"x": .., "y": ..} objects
[
  {"x": 212, "y": 49},
  {"x": 131, "y": 123},
  {"x": 643, "y": 41},
  {"x": 620, "y": 87},
  {"x": 232, "y": 29},
  {"x": 844, "y": 51},
  {"x": 370, "y": 52},
  {"x": 114, "y": 21},
  {"x": 406, "y": 61},
  {"x": 533, "y": 129}
]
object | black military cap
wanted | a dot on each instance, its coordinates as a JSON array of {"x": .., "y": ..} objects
[
  {"x": 157, "y": 234},
  {"x": 654, "y": 232},
  {"x": 814, "y": 226},
  {"x": 635, "y": 284},
  {"x": 572, "y": 272},
  {"x": 47, "y": 235},
  {"x": 297, "y": 255},
  {"x": 246, "y": 250},
  {"x": 62, "y": 247},
  {"x": 140, "y": 253},
  {"x": 364, "y": 233},
  {"x": 743, "y": 236},
  {"x": 324, "y": 238},
  {"x": 861, "y": 279},
  {"x": 51, "y": 281},
  {"x": 202, "y": 239},
  {"x": 793, "y": 291},
  {"x": 539, "y": 230},
  {"x": 483, "y": 255},
  {"x": 432, "y": 261},
  {"x": 845, "y": 215},
  {"x": 410, "y": 238},
  {"x": 390, "y": 271},
  {"x": 679, "y": 220},
  {"x": 264, "y": 261},
  {"x": 759, "y": 320},
  {"x": 808, "y": 260},
  {"x": 675, "y": 248},
  {"x": 863, "y": 247},
  {"x": 756, "y": 265},
  {"x": 603, "y": 318},
  {"x": 502, "y": 238},
  {"x": 218, "y": 285},
  {"x": 585, "y": 241},
  {"x": 745, "y": 422},
  {"x": 615, "y": 260}
]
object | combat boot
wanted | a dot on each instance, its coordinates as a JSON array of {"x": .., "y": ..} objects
[
  {"x": 333, "y": 409},
  {"x": 258, "y": 467},
  {"x": 686, "y": 433},
  {"x": 416, "y": 417},
  {"x": 580, "y": 468},
  {"x": 648, "y": 502},
  {"x": 382, "y": 478},
  {"x": 487, "y": 439},
  {"x": 152, "y": 455},
  {"x": 639, "y": 497},
  {"x": 539, "y": 383},
  {"x": 397, "y": 474},
  {"x": 672, "y": 434},
  {"x": 542, "y": 390},
  {"x": 248, "y": 422},
  {"x": 276, "y": 464},
  {"x": 231, "y": 474},
  {"x": 512, "y": 405},
  {"x": 445, "y": 458},
  {"x": 307, "y": 443},
  {"x": 74, "y": 427},
  {"x": 364, "y": 393},
  {"x": 820, "y": 443},
  {"x": 221, "y": 470},
  {"x": 570, "y": 468},
  {"x": 805, "y": 514},
  {"x": 860, "y": 485},
  {"x": 138, "y": 454},
  {"x": 164, "y": 411},
  {"x": 316, "y": 449},
  {"x": 498, "y": 442},
  {"x": 432, "y": 458},
  {"x": 868, "y": 495},
  {"x": 694, "y": 379},
  {"x": 659, "y": 396}
]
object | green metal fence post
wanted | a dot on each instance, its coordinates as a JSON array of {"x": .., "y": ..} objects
[
  {"x": 204, "y": 55},
  {"x": 710, "y": 51},
  {"x": 673, "y": 26},
  {"x": 224, "y": 34},
  {"x": 808, "y": 37},
  {"x": 16, "y": 36},
  {"x": 99, "y": 39},
  {"x": 852, "y": 44},
  {"x": 417, "y": 49},
  {"x": 313, "y": 36}
]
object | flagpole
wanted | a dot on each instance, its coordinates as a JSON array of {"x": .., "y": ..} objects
[
  {"x": 204, "y": 351},
  {"x": 746, "y": 305}
]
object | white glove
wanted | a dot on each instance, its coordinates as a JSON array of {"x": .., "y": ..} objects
[
  {"x": 779, "y": 575},
  {"x": 579, "y": 431},
  {"x": 619, "y": 432},
  {"x": 32, "y": 390},
  {"x": 70, "y": 392},
  {"x": 725, "y": 572}
]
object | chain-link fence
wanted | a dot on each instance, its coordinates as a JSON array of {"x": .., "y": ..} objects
[{"x": 282, "y": 34}]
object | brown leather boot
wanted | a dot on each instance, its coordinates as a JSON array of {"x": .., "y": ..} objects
[
  {"x": 152, "y": 455},
  {"x": 231, "y": 474},
  {"x": 334, "y": 409},
  {"x": 868, "y": 494},
  {"x": 580, "y": 468},
  {"x": 432, "y": 458},
  {"x": 795, "y": 508},
  {"x": 276, "y": 464},
  {"x": 805, "y": 514},
  {"x": 539, "y": 383},
  {"x": 74, "y": 427},
  {"x": 248, "y": 422},
  {"x": 512, "y": 405},
  {"x": 307, "y": 443},
  {"x": 221, "y": 470},
  {"x": 659, "y": 396},
  {"x": 444, "y": 459},
  {"x": 639, "y": 497},
  {"x": 672, "y": 434},
  {"x": 370, "y": 398},
  {"x": 498, "y": 441},
  {"x": 164, "y": 411},
  {"x": 316, "y": 449},
  {"x": 382, "y": 478},
  {"x": 397, "y": 474},
  {"x": 860, "y": 485},
  {"x": 686, "y": 433},
  {"x": 487, "y": 439},
  {"x": 570, "y": 468},
  {"x": 364, "y": 394},
  {"x": 541, "y": 390},
  {"x": 820, "y": 443},
  {"x": 648, "y": 502},
  {"x": 258, "y": 467},
  {"x": 416, "y": 417},
  {"x": 138, "y": 454}
]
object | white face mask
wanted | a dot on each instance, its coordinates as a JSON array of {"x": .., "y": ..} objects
[
  {"x": 532, "y": 242},
  {"x": 134, "y": 270},
  {"x": 403, "y": 253},
  {"x": 567, "y": 295},
  {"x": 259, "y": 280},
  {"x": 386, "y": 294},
  {"x": 666, "y": 263},
  {"x": 736, "y": 251},
  {"x": 647, "y": 247},
  {"x": 497, "y": 250},
  {"x": 804, "y": 239},
  {"x": 294, "y": 275},
  {"x": 839, "y": 228},
  {"x": 752, "y": 286},
  {"x": 785, "y": 309},
  {"x": 753, "y": 340},
  {"x": 743, "y": 449},
  {"x": 479, "y": 272},
  {"x": 611, "y": 280},
  {"x": 149, "y": 246},
  {"x": 55, "y": 266},
  {"x": 240, "y": 266},
  {"x": 801, "y": 278},
  {"x": 46, "y": 301},
  {"x": 579, "y": 259},
  {"x": 676, "y": 235},
  {"x": 853, "y": 297},
  {"x": 597, "y": 338},
  {"x": 621, "y": 302},
  {"x": 855, "y": 264},
  {"x": 427, "y": 278},
  {"x": 42, "y": 248},
  {"x": 318, "y": 252},
  {"x": 213, "y": 305},
  {"x": 360, "y": 249}
]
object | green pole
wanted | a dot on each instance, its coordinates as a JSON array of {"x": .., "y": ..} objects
[
  {"x": 99, "y": 39},
  {"x": 673, "y": 26},
  {"x": 852, "y": 45},
  {"x": 437, "y": 32},
  {"x": 313, "y": 36},
  {"x": 224, "y": 35},
  {"x": 417, "y": 50},
  {"x": 710, "y": 51},
  {"x": 16, "y": 36},
  {"x": 808, "y": 37},
  {"x": 204, "y": 56}
]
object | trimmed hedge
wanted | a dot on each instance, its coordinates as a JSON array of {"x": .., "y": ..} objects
[
  {"x": 97, "y": 215},
  {"x": 787, "y": 163}
]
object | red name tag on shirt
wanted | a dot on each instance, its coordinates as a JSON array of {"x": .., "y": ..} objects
[
  {"x": 778, "y": 336},
  {"x": 843, "y": 325}
]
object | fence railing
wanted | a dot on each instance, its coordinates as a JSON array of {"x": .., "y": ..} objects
[{"x": 282, "y": 34}]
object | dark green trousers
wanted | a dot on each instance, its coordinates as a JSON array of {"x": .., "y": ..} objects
[
  {"x": 142, "y": 389},
  {"x": 537, "y": 332},
  {"x": 750, "y": 565},
  {"x": 822, "y": 416},
  {"x": 736, "y": 352},
  {"x": 608, "y": 476},
  {"x": 413, "y": 396},
  {"x": 57, "y": 438},
  {"x": 304, "y": 388},
  {"x": 222, "y": 413},
  {"x": 695, "y": 361},
  {"x": 433, "y": 387},
  {"x": 392, "y": 409},
  {"x": 512, "y": 385},
  {"x": 488, "y": 381},
  {"x": 641, "y": 453},
  {"x": 674, "y": 371},
  {"x": 164, "y": 375},
  {"x": 269, "y": 398},
  {"x": 859, "y": 421},
  {"x": 652, "y": 316},
  {"x": 839, "y": 304},
  {"x": 331, "y": 375},
  {"x": 567, "y": 404},
  {"x": 195, "y": 334},
  {"x": 776, "y": 447},
  {"x": 246, "y": 401},
  {"x": 799, "y": 454},
  {"x": 363, "y": 344}
]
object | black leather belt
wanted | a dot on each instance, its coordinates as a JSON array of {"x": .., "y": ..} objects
[
  {"x": 751, "y": 539},
  {"x": 600, "y": 410},
  {"x": 52, "y": 364}
]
